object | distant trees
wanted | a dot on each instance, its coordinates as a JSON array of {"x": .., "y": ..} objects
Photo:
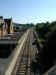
[
  {"x": 42, "y": 29},
  {"x": 16, "y": 29},
  {"x": 45, "y": 28},
  {"x": 22, "y": 27}
]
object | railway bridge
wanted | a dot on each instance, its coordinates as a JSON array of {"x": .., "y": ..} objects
[{"x": 18, "y": 63}]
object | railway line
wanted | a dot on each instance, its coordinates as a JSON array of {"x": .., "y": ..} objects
[
  {"x": 24, "y": 66},
  {"x": 23, "y": 55},
  {"x": 19, "y": 61}
]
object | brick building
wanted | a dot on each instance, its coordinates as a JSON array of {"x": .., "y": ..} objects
[{"x": 6, "y": 26}]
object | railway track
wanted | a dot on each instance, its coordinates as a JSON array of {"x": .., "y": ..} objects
[{"x": 23, "y": 68}]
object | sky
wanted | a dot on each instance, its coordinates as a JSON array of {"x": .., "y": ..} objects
[{"x": 29, "y": 11}]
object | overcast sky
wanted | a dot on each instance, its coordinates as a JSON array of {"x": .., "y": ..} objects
[{"x": 27, "y": 11}]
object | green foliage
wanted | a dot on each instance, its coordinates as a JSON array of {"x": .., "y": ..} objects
[
  {"x": 52, "y": 26},
  {"x": 44, "y": 30},
  {"x": 22, "y": 27},
  {"x": 16, "y": 29}
]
